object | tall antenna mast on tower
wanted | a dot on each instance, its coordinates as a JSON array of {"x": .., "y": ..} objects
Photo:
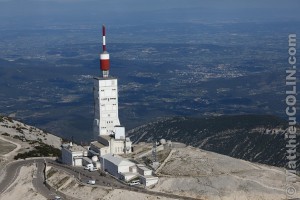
[
  {"x": 104, "y": 56},
  {"x": 103, "y": 39}
]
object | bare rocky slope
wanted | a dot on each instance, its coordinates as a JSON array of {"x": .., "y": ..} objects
[
  {"x": 186, "y": 171},
  {"x": 192, "y": 172},
  {"x": 33, "y": 142},
  {"x": 206, "y": 175},
  {"x": 256, "y": 138}
]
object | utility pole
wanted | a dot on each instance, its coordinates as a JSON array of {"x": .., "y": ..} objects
[{"x": 154, "y": 153}]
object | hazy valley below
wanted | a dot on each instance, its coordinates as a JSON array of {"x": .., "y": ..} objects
[
  {"x": 203, "y": 89},
  {"x": 215, "y": 69}
]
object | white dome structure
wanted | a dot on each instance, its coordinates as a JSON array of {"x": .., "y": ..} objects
[
  {"x": 94, "y": 158},
  {"x": 162, "y": 141}
]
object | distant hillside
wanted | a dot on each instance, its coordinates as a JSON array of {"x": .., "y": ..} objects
[{"x": 256, "y": 138}]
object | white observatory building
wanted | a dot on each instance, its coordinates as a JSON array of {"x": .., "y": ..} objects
[
  {"x": 107, "y": 129},
  {"x": 110, "y": 135}
]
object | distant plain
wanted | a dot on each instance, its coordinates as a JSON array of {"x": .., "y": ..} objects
[{"x": 208, "y": 69}]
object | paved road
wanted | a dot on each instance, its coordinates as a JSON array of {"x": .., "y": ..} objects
[
  {"x": 111, "y": 182},
  {"x": 85, "y": 175},
  {"x": 13, "y": 170},
  {"x": 38, "y": 181},
  {"x": 10, "y": 175}
]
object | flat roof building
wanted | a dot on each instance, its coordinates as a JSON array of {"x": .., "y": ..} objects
[
  {"x": 116, "y": 165},
  {"x": 73, "y": 154}
]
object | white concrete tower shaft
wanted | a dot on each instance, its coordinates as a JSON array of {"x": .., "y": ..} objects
[{"x": 106, "y": 115}]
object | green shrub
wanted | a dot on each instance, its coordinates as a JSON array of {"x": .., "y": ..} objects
[
  {"x": 5, "y": 134},
  {"x": 9, "y": 119},
  {"x": 18, "y": 137},
  {"x": 43, "y": 150}
]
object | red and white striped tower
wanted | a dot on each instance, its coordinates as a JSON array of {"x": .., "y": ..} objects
[{"x": 104, "y": 56}]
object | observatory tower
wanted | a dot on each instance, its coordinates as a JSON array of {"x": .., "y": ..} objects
[
  {"x": 109, "y": 135},
  {"x": 106, "y": 117}
]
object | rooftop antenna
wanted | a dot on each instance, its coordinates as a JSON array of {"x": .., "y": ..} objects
[{"x": 154, "y": 151}]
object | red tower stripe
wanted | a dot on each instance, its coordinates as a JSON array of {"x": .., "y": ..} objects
[{"x": 104, "y": 65}]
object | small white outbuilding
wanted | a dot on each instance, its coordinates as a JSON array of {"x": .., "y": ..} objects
[
  {"x": 143, "y": 170},
  {"x": 73, "y": 155},
  {"x": 148, "y": 180}
]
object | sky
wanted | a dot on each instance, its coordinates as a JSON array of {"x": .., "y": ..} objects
[{"x": 50, "y": 12}]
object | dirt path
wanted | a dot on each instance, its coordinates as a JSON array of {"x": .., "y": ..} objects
[
  {"x": 165, "y": 161},
  {"x": 18, "y": 146}
]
